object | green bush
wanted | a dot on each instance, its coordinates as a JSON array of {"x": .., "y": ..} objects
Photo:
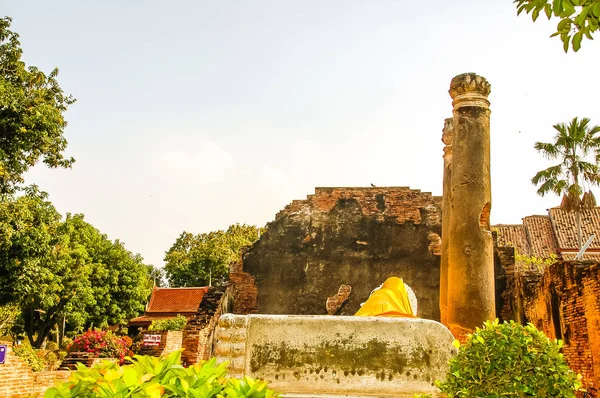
[
  {"x": 30, "y": 355},
  {"x": 42, "y": 359},
  {"x": 509, "y": 360},
  {"x": 158, "y": 377},
  {"x": 164, "y": 325}
]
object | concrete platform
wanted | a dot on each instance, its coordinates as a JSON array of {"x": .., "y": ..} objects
[{"x": 307, "y": 356}]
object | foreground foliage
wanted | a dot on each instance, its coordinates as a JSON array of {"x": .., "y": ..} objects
[
  {"x": 578, "y": 18},
  {"x": 509, "y": 360},
  {"x": 32, "y": 105},
  {"x": 153, "y": 377}
]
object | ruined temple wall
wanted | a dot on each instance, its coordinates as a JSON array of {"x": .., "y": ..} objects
[
  {"x": 353, "y": 236},
  {"x": 565, "y": 304},
  {"x": 198, "y": 333},
  {"x": 243, "y": 287}
]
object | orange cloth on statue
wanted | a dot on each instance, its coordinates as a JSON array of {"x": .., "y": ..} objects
[{"x": 390, "y": 300}]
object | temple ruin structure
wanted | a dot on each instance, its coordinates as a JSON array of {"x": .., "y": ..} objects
[{"x": 447, "y": 140}]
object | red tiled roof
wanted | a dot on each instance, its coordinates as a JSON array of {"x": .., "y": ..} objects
[
  {"x": 586, "y": 256},
  {"x": 540, "y": 236},
  {"x": 175, "y": 300},
  {"x": 553, "y": 234},
  {"x": 513, "y": 236},
  {"x": 565, "y": 227}
]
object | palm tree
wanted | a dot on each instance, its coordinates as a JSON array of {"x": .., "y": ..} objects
[{"x": 578, "y": 149}]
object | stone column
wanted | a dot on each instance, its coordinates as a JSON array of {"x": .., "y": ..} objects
[
  {"x": 471, "y": 294},
  {"x": 447, "y": 140}
]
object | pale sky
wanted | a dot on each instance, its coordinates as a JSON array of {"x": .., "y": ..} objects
[{"x": 193, "y": 115}]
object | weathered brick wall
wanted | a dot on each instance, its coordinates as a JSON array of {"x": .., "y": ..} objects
[
  {"x": 400, "y": 203},
  {"x": 169, "y": 341},
  {"x": 18, "y": 380},
  {"x": 352, "y": 236},
  {"x": 513, "y": 284},
  {"x": 565, "y": 304},
  {"x": 505, "y": 282},
  {"x": 243, "y": 287},
  {"x": 198, "y": 333}
]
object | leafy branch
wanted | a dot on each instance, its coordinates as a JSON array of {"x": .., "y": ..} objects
[{"x": 578, "y": 18}]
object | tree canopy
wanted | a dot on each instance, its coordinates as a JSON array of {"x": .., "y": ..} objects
[
  {"x": 577, "y": 18},
  {"x": 577, "y": 147},
  {"x": 196, "y": 260},
  {"x": 54, "y": 268},
  {"x": 32, "y": 107}
]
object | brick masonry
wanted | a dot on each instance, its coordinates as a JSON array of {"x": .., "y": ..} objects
[
  {"x": 169, "y": 341},
  {"x": 18, "y": 380},
  {"x": 243, "y": 288},
  {"x": 564, "y": 302},
  {"x": 342, "y": 236},
  {"x": 198, "y": 333}
]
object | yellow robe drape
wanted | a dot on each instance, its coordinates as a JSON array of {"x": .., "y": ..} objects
[{"x": 390, "y": 300}]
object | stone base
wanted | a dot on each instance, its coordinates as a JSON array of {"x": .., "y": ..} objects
[{"x": 337, "y": 355}]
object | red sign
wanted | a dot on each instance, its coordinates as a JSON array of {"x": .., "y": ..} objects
[{"x": 151, "y": 340}]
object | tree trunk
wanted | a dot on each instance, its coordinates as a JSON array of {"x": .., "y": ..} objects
[
  {"x": 44, "y": 328},
  {"x": 28, "y": 320}
]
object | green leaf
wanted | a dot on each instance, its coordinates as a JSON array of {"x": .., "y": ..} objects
[
  {"x": 563, "y": 25},
  {"x": 566, "y": 39},
  {"x": 568, "y": 9},
  {"x": 558, "y": 8},
  {"x": 521, "y": 9},
  {"x": 580, "y": 19},
  {"x": 596, "y": 9},
  {"x": 130, "y": 376},
  {"x": 577, "y": 41}
]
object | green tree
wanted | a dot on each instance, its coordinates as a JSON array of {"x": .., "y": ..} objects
[
  {"x": 119, "y": 279},
  {"x": 32, "y": 107},
  {"x": 55, "y": 270},
  {"x": 8, "y": 315},
  {"x": 577, "y": 18},
  {"x": 199, "y": 260},
  {"x": 577, "y": 147},
  {"x": 41, "y": 268}
]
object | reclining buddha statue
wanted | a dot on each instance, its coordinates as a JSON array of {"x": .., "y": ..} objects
[{"x": 394, "y": 298}]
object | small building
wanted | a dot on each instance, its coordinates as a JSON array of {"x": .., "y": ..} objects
[{"x": 202, "y": 306}]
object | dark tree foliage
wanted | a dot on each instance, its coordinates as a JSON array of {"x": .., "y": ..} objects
[{"x": 197, "y": 260}]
